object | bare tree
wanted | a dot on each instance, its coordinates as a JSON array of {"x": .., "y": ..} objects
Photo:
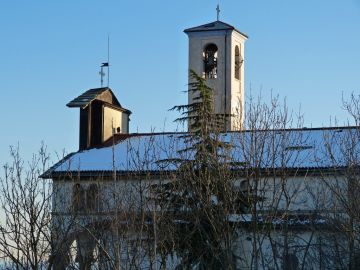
[
  {"x": 271, "y": 151},
  {"x": 25, "y": 233},
  {"x": 341, "y": 153}
]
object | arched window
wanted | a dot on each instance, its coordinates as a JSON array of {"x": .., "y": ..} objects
[
  {"x": 244, "y": 186},
  {"x": 92, "y": 197},
  {"x": 210, "y": 61},
  {"x": 238, "y": 62},
  {"x": 78, "y": 199}
]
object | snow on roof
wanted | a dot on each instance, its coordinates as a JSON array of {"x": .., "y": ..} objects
[
  {"x": 294, "y": 220},
  {"x": 292, "y": 149}
]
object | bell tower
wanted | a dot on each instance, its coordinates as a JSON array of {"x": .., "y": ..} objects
[{"x": 216, "y": 52}]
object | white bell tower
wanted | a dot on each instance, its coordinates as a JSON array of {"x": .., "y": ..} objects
[{"x": 216, "y": 52}]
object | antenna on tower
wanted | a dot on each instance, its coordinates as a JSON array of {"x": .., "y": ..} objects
[{"x": 108, "y": 61}]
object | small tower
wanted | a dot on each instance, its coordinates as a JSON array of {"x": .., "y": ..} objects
[
  {"x": 101, "y": 116},
  {"x": 216, "y": 52}
]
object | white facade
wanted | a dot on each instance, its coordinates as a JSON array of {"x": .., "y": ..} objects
[
  {"x": 293, "y": 220},
  {"x": 114, "y": 121}
]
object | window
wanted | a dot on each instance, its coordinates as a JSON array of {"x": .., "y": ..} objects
[
  {"x": 85, "y": 200},
  {"x": 244, "y": 186},
  {"x": 238, "y": 62},
  {"x": 92, "y": 197},
  {"x": 78, "y": 198},
  {"x": 210, "y": 61}
]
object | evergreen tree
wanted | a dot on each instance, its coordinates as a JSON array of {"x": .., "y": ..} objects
[{"x": 201, "y": 198}]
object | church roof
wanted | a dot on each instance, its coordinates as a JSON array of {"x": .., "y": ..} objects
[
  {"x": 292, "y": 149},
  {"x": 213, "y": 26},
  {"x": 103, "y": 93}
]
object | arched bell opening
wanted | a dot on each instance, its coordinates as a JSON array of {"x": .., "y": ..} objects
[
  {"x": 210, "y": 56},
  {"x": 238, "y": 62}
]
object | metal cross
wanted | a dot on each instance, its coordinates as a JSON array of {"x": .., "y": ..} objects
[
  {"x": 218, "y": 11},
  {"x": 102, "y": 75}
]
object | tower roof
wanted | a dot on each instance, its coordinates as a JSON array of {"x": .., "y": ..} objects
[
  {"x": 103, "y": 93},
  {"x": 213, "y": 26}
]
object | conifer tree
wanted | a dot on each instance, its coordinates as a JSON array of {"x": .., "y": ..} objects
[{"x": 201, "y": 198}]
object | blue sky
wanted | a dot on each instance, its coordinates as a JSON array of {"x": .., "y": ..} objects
[{"x": 306, "y": 51}]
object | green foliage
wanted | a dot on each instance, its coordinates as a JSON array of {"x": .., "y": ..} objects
[
  {"x": 200, "y": 112},
  {"x": 204, "y": 124},
  {"x": 200, "y": 199}
]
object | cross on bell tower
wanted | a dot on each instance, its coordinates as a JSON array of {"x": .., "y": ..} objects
[{"x": 217, "y": 12}]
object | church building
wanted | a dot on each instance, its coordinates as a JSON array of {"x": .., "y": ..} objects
[{"x": 101, "y": 189}]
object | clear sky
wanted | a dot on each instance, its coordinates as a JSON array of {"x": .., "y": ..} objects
[{"x": 307, "y": 51}]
